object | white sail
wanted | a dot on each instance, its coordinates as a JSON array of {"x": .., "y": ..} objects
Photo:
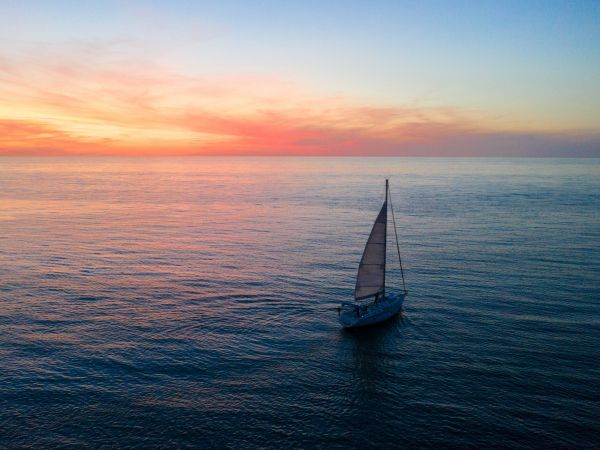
[{"x": 370, "y": 280}]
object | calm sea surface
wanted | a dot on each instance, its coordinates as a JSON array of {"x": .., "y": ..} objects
[{"x": 191, "y": 303}]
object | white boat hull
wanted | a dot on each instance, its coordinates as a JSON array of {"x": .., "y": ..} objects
[{"x": 351, "y": 316}]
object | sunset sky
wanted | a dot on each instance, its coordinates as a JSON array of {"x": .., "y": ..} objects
[{"x": 300, "y": 78}]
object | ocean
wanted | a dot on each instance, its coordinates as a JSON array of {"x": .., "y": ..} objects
[{"x": 191, "y": 303}]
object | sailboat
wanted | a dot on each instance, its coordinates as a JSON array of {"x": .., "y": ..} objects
[{"x": 372, "y": 304}]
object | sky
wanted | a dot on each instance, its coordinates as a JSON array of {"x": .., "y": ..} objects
[{"x": 406, "y": 78}]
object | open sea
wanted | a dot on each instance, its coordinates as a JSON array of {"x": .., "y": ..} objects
[{"x": 191, "y": 302}]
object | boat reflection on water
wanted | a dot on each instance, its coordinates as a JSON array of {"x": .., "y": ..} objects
[
  {"x": 371, "y": 345},
  {"x": 375, "y": 388}
]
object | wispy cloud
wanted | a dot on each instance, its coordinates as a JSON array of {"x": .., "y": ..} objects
[{"x": 102, "y": 98}]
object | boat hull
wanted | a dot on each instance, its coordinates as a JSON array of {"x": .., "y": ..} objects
[{"x": 374, "y": 313}]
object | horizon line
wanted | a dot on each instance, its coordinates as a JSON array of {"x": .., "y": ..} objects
[{"x": 258, "y": 155}]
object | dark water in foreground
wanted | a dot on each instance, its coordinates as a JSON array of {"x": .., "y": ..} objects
[{"x": 190, "y": 303}]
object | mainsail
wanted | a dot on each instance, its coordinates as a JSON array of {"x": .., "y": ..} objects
[{"x": 370, "y": 280}]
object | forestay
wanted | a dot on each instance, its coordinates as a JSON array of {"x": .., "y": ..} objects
[{"x": 370, "y": 280}]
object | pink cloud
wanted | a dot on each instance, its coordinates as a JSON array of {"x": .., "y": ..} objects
[{"x": 94, "y": 99}]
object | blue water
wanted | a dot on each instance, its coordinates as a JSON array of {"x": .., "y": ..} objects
[{"x": 162, "y": 303}]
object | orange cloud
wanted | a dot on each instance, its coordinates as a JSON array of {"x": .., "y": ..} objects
[
  {"x": 95, "y": 99},
  {"x": 18, "y": 137}
]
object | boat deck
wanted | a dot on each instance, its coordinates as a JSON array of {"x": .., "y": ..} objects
[{"x": 363, "y": 315}]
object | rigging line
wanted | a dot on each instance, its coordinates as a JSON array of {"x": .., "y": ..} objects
[{"x": 397, "y": 245}]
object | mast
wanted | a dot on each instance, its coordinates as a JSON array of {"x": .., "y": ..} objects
[{"x": 385, "y": 235}]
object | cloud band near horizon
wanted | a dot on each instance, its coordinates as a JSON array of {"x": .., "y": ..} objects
[{"x": 92, "y": 99}]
